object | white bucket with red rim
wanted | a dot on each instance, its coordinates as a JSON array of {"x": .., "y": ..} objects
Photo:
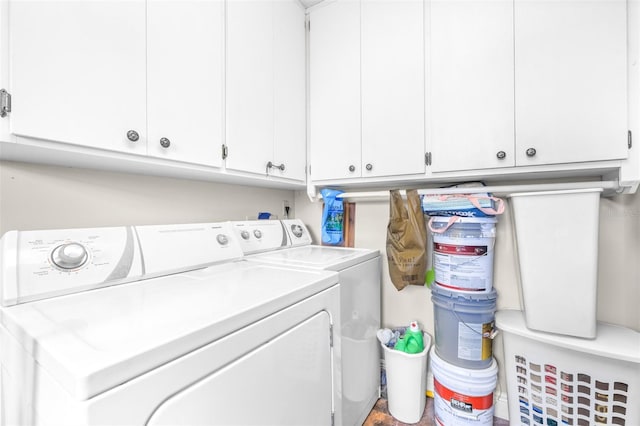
[{"x": 462, "y": 397}]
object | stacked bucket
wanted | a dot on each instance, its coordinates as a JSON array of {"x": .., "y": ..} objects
[{"x": 464, "y": 305}]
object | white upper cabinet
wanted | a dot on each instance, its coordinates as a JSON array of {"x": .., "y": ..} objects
[
  {"x": 367, "y": 89},
  {"x": 399, "y": 90},
  {"x": 470, "y": 58},
  {"x": 77, "y": 72},
  {"x": 249, "y": 84},
  {"x": 265, "y": 116},
  {"x": 570, "y": 81},
  {"x": 393, "y": 113},
  {"x": 334, "y": 87},
  {"x": 130, "y": 76},
  {"x": 185, "y": 64},
  {"x": 290, "y": 101},
  {"x": 564, "y": 100}
]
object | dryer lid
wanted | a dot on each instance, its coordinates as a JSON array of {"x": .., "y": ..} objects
[{"x": 93, "y": 341}]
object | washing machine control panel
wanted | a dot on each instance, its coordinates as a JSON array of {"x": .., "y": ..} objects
[
  {"x": 297, "y": 232},
  {"x": 42, "y": 264},
  {"x": 256, "y": 236}
]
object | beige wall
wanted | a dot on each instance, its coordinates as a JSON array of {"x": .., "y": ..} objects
[
  {"x": 48, "y": 197},
  {"x": 618, "y": 276},
  {"x": 618, "y": 265}
]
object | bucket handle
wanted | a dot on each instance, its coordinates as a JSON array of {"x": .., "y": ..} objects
[
  {"x": 452, "y": 220},
  {"x": 487, "y": 210},
  {"x": 473, "y": 200},
  {"x": 491, "y": 335}
]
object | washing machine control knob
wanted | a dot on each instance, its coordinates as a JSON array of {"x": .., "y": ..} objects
[
  {"x": 245, "y": 235},
  {"x": 69, "y": 255},
  {"x": 297, "y": 230},
  {"x": 257, "y": 233},
  {"x": 222, "y": 239}
]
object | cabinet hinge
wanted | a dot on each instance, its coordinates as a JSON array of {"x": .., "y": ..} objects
[
  {"x": 225, "y": 151},
  {"x": 427, "y": 158},
  {"x": 331, "y": 335},
  {"x": 5, "y": 103},
  {"x": 629, "y": 140}
]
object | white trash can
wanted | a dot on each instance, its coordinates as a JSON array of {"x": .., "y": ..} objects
[
  {"x": 557, "y": 245},
  {"x": 406, "y": 382}
]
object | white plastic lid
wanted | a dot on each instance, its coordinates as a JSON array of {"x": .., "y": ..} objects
[
  {"x": 475, "y": 381},
  {"x": 612, "y": 341}
]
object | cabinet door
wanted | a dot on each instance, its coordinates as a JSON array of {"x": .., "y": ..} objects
[
  {"x": 78, "y": 72},
  {"x": 471, "y": 84},
  {"x": 185, "y": 54},
  {"x": 289, "y": 89},
  {"x": 334, "y": 38},
  {"x": 249, "y": 85},
  {"x": 392, "y": 87},
  {"x": 570, "y": 68}
]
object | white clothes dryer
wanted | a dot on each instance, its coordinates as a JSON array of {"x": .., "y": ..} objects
[
  {"x": 161, "y": 325},
  {"x": 288, "y": 243}
]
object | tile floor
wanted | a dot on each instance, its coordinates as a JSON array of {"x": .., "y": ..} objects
[{"x": 380, "y": 416}]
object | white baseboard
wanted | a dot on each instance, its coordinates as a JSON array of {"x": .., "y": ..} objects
[{"x": 501, "y": 406}]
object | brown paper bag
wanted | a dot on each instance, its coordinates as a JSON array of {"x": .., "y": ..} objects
[{"x": 406, "y": 240}]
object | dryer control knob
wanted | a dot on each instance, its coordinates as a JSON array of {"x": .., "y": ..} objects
[
  {"x": 69, "y": 256},
  {"x": 245, "y": 235},
  {"x": 222, "y": 239},
  {"x": 257, "y": 233}
]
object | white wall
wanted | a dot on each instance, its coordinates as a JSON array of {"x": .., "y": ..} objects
[
  {"x": 48, "y": 197},
  {"x": 618, "y": 275}
]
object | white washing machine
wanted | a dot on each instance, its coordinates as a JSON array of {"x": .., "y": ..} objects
[
  {"x": 119, "y": 326},
  {"x": 288, "y": 243}
]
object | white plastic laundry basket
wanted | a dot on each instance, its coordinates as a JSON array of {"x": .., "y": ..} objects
[{"x": 561, "y": 380}]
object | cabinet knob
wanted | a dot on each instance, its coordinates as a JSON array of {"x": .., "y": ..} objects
[
  {"x": 531, "y": 152},
  {"x": 501, "y": 155},
  {"x": 132, "y": 135},
  {"x": 369, "y": 166},
  {"x": 352, "y": 168},
  {"x": 165, "y": 142}
]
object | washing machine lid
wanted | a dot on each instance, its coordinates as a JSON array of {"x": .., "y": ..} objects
[
  {"x": 93, "y": 341},
  {"x": 317, "y": 257}
]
